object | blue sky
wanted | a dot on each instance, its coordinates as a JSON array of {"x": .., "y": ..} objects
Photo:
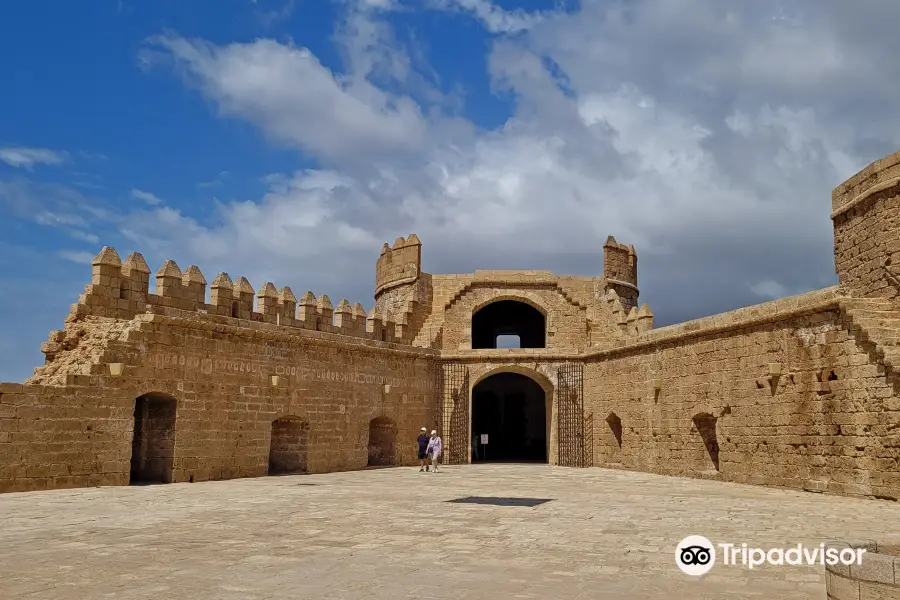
[{"x": 286, "y": 141}]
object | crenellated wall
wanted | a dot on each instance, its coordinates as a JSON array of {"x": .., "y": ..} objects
[{"x": 121, "y": 291}]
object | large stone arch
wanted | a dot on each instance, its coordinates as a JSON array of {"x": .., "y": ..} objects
[{"x": 544, "y": 375}]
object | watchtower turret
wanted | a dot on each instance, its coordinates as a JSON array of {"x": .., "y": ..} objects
[{"x": 620, "y": 271}]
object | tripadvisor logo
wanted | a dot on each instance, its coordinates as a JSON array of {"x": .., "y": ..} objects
[{"x": 695, "y": 555}]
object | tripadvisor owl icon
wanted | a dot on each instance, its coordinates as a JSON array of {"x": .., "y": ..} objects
[{"x": 695, "y": 555}]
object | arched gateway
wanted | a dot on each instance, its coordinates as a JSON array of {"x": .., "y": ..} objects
[{"x": 512, "y": 409}]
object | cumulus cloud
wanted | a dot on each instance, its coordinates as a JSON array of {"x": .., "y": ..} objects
[
  {"x": 296, "y": 100},
  {"x": 21, "y": 157},
  {"x": 149, "y": 198},
  {"x": 708, "y": 135}
]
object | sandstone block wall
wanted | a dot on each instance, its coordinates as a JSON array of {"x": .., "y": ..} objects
[
  {"x": 444, "y": 290},
  {"x": 230, "y": 385},
  {"x": 788, "y": 397},
  {"x": 866, "y": 216},
  {"x": 73, "y": 436},
  {"x": 876, "y": 577}
]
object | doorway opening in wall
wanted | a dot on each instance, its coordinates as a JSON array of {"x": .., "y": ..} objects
[
  {"x": 382, "y": 442},
  {"x": 289, "y": 446},
  {"x": 502, "y": 321},
  {"x": 511, "y": 410},
  {"x": 153, "y": 443}
]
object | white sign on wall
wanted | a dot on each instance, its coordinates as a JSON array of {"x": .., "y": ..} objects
[{"x": 484, "y": 438}]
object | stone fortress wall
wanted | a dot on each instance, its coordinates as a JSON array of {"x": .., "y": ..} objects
[
  {"x": 799, "y": 392},
  {"x": 330, "y": 376}
]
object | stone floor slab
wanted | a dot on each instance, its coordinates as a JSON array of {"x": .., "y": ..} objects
[{"x": 391, "y": 533}]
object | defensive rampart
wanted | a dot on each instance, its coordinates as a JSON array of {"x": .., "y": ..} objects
[{"x": 789, "y": 393}]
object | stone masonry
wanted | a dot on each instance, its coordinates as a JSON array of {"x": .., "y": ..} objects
[{"x": 179, "y": 385}]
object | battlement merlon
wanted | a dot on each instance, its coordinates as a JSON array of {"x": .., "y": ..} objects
[
  {"x": 120, "y": 290},
  {"x": 620, "y": 271},
  {"x": 399, "y": 264}
]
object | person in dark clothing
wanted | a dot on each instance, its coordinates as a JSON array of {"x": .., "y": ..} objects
[{"x": 423, "y": 440}]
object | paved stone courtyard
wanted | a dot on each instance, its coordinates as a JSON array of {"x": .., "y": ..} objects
[{"x": 390, "y": 533}]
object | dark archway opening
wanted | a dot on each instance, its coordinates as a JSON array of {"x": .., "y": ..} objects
[
  {"x": 509, "y": 318},
  {"x": 153, "y": 444},
  {"x": 512, "y": 410},
  {"x": 382, "y": 442},
  {"x": 289, "y": 448}
]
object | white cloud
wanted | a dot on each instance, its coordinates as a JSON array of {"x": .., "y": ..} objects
[
  {"x": 494, "y": 18},
  {"x": 76, "y": 256},
  {"x": 661, "y": 122},
  {"x": 151, "y": 199},
  {"x": 278, "y": 15},
  {"x": 85, "y": 237},
  {"x": 54, "y": 205},
  {"x": 21, "y": 157},
  {"x": 295, "y": 99}
]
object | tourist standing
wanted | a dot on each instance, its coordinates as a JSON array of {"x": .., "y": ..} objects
[
  {"x": 434, "y": 449},
  {"x": 423, "y": 442}
]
